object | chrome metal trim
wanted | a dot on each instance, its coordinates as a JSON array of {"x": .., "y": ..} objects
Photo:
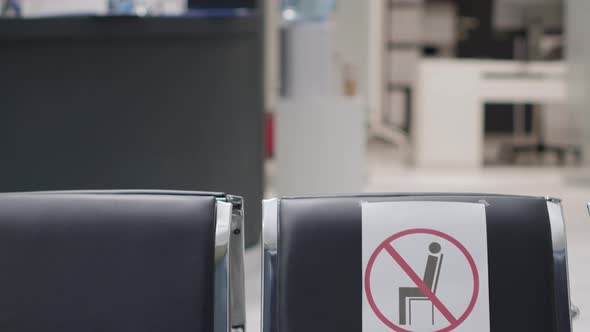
[
  {"x": 230, "y": 297},
  {"x": 563, "y": 314},
  {"x": 575, "y": 312},
  {"x": 270, "y": 232},
  {"x": 236, "y": 257},
  {"x": 221, "y": 308}
]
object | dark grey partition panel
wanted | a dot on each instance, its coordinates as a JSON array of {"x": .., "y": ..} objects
[{"x": 89, "y": 103}]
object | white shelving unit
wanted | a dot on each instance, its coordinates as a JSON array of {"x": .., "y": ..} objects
[
  {"x": 399, "y": 30},
  {"x": 395, "y": 48}
]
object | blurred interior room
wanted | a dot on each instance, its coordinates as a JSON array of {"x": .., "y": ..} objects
[{"x": 266, "y": 98}]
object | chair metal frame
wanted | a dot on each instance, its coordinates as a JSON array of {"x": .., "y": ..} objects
[
  {"x": 565, "y": 311},
  {"x": 229, "y": 290},
  {"x": 270, "y": 233}
]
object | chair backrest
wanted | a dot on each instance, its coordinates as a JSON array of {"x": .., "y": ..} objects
[
  {"x": 432, "y": 271},
  {"x": 439, "y": 263},
  {"x": 313, "y": 258},
  {"x": 121, "y": 261}
]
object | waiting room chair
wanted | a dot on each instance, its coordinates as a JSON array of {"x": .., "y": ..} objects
[
  {"x": 121, "y": 261},
  {"x": 312, "y": 262}
]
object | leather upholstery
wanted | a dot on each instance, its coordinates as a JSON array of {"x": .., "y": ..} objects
[
  {"x": 319, "y": 262},
  {"x": 106, "y": 261}
]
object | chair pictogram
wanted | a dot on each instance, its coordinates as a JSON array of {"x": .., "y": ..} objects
[{"x": 431, "y": 275}]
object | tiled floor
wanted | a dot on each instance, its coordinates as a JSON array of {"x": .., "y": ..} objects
[{"x": 386, "y": 174}]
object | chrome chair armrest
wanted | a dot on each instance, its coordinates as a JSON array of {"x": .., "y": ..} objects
[{"x": 575, "y": 312}]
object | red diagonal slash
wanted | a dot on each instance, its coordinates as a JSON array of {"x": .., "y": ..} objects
[{"x": 421, "y": 285}]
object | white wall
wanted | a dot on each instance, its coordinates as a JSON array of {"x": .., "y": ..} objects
[
  {"x": 578, "y": 57},
  {"x": 48, "y": 7},
  {"x": 53, "y": 7},
  {"x": 351, "y": 38},
  {"x": 271, "y": 53}
]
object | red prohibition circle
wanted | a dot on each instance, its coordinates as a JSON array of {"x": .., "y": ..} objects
[{"x": 447, "y": 237}]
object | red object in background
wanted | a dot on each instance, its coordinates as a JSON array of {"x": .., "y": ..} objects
[{"x": 269, "y": 135}]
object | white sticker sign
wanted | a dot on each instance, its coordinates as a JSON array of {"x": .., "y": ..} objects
[{"x": 425, "y": 267}]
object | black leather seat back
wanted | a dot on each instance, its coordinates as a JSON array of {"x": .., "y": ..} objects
[
  {"x": 106, "y": 261},
  {"x": 314, "y": 282}
]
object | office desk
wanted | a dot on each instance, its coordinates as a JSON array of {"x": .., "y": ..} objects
[{"x": 448, "y": 126}]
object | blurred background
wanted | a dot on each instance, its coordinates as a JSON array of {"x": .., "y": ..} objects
[{"x": 295, "y": 97}]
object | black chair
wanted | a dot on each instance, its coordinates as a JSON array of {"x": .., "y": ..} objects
[
  {"x": 121, "y": 261},
  {"x": 312, "y": 262}
]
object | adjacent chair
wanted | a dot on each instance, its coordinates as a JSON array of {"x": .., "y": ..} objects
[
  {"x": 121, "y": 261},
  {"x": 312, "y": 262}
]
